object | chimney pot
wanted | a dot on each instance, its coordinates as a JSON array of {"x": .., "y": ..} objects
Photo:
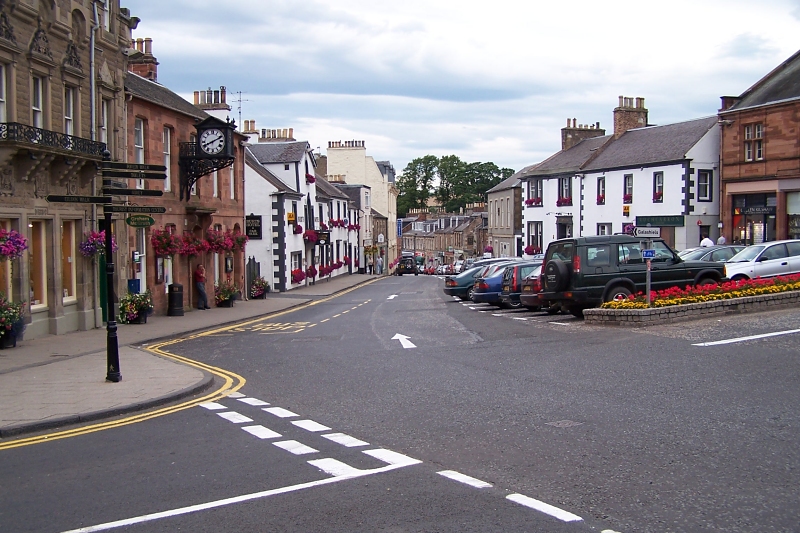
[
  {"x": 253, "y": 125},
  {"x": 208, "y": 95},
  {"x": 196, "y": 97},
  {"x": 216, "y": 97},
  {"x": 263, "y": 133},
  {"x": 291, "y": 133},
  {"x": 140, "y": 44},
  {"x": 148, "y": 46},
  {"x": 222, "y": 94},
  {"x": 574, "y": 120},
  {"x": 621, "y": 100},
  {"x": 597, "y": 125},
  {"x": 568, "y": 123}
]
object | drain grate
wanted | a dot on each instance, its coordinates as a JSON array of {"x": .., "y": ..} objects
[{"x": 564, "y": 423}]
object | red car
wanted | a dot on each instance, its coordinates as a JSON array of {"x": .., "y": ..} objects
[{"x": 531, "y": 287}]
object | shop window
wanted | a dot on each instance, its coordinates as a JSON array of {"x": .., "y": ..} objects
[
  {"x": 5, "y": 268},
  {"x": 754, "y": 142},
  {"x": 37, "y": 261},
  {"x": 68, "y": 260}
]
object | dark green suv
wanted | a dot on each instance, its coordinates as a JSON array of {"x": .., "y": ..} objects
[
  {"x": 584, "y": 272},
  {"x": 407, "y": 265}
]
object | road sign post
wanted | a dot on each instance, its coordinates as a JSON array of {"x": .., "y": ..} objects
[{"x": 648, "y": 254}]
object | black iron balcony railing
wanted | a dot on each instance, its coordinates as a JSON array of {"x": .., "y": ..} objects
[{"x": 23, "y": 133}]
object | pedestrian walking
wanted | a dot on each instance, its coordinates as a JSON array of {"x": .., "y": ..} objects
[
  {"x": 722, "y": 239},
  {"x": 379, "y": 265},
  {"x": 706, "y": 242},
  {"x": 200, "y": 284}
]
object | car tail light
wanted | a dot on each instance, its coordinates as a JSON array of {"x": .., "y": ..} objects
[
  {"x": 537, "y": 285},
  {"x": 450, "y": 283},
  {"x": 576, "y": 263},
  {"x": 514, "y": 279},
  {"x": 483, "y": 285}
]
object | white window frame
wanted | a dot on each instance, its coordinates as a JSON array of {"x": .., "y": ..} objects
[
  {"x": 138, "y": 146},
  {"x": 565, "y": 188},
  {"x": 68, "y": 232},
  {"x": 39, "y": 226},
  {"x": 535, "y": 188},
  {"x": 69, "y": 110},
  {"x": 37, "y": 102},
  {"x": 707, "y": 184},
  {"x": 103, "y": 129},
  {"x": 215, "y": 182},
  {"x": 604, "y": 228},
  {"x": 105, "y": 14},
  {"x": 627, "y": 185},
  {"x": 535, "y": 230},
  {"x": 166, "y": 139}
]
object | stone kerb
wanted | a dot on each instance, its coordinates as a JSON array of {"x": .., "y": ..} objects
[{"x": 678, "y": 313}]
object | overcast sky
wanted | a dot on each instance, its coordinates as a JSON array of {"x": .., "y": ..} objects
[{"x": 486, "y": 81}]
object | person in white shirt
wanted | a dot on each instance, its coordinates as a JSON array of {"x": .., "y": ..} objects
[
  {"x": 722, "y": 239},
  {"x": 706, "y": 242}
]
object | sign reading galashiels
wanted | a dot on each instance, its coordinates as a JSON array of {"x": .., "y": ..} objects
[{"x": 647, "y": 233}]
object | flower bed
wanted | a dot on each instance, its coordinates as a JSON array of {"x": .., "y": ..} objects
[
  {"x": 225, "y": 291},
  {"x": 708, "y": 293}
]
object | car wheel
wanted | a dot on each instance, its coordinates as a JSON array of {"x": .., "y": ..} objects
[
  {"x": 576, "y": 311},
  {"x": 513, "y": 305},
  {"x": 739, "y": 278},
  {"x": 706, "y": 281},
  {"x": 618, "y": 294},
  {"x": 470, "y": 293}
]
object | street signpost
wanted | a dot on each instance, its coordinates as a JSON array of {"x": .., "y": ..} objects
[
  {"x": 648, "y": 253},
  {"x": 78, "y": 199},
  {"x": 135, "y": 175},
  {"x": 116, "y": 165},
  {"x": 132, "y": 192},
  {"x": 646, "y": 232},
  {"x": 133, "y": 209}
]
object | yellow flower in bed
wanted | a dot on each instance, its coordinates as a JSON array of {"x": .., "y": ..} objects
[{"x": 133, "y": 305}]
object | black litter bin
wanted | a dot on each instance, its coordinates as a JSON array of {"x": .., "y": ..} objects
[{"x": 175, "y": 307}]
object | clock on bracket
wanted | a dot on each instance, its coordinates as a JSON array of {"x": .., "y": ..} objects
[{"x": 212, "y": 141}]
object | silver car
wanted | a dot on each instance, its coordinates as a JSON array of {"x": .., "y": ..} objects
[{"x": 765, "y": 260}]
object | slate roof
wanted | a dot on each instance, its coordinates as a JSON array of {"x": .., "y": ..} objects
[
  {"x": 158, "y": 94},
  {"x": 326, "y": 189},
  {"x": 280, "y": 152},
  {"x": 652, "y": 144},
  {"x": 512, "y": 182},
  {"x": 375, "y": 214},
  {"x": 568, "y": 161},
  {"x": 783, "y": 83},
  {"x": 253, "y": 163}
]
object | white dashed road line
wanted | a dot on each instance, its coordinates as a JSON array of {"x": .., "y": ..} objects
[
  {"x": 310, "y": 425},
  {"x": 212, "y": 406},
  {"x": 280, "y": 412},
  {"x": 236, "y": 418},
  {"x": 392, "y": 458},
  {"x": 545, "y": 508},
  {"x": 253, "y": 401},
  {"x": 261, "y": 432},
  {"x": 461, "y": 478},
  {"x": 295, "y": 447},
  {"x": 345, "y": 440}
]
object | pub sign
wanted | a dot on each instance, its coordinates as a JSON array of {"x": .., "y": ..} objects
[{"x": 252, "y": 224}]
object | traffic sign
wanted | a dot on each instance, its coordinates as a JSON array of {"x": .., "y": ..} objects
[
  {"x": 647, "y": 233},
  {"x": 133, "y": 175},
  {"x": 79, "y": 199},
  {"x": 133, "y": 209},
  {"x": 648, "y": 254},
  {"x": 133, "y": 166},
  {"x": 132, "y": 192},
  {"x": 140, "y": 221}
]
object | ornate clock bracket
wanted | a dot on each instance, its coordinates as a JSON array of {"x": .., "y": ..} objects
[{"x": 193, "y": 167}]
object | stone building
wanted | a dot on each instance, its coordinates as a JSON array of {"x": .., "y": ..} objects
[{"x": 61, "y": 105}]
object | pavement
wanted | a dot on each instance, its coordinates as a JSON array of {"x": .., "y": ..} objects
[{"x": 59, "y": 380}]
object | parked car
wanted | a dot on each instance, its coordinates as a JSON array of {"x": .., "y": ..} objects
[
  {"x": 457, "y": 267},
  {"x": 407, "y": 265},
  {"x": 765, "y": 260},
  {"x": 511, "y": 286},
  {"x": 584, "y": 272},
  {"x": 531, "y": 287},
  {"x": 462, "y": 284},
  {"x": 488, "y": 286},
  {"x": 720, "y": 252}
]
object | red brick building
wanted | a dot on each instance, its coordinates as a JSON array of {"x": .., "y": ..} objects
[
  {"x": 760, "y": 158},
  {"x": 158, "y": 122}
]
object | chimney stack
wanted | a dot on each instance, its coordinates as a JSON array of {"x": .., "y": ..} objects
[
  {"x": 210, "y": 100},
  {"x": 142, "y": 62},
  {"x": 575, "y": 133},
  {"x": 630, "y": 114}
]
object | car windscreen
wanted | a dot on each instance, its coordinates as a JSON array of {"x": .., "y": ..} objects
[
  {"x": 536, "y": 273},
  {"x": 748, "y": 254}
]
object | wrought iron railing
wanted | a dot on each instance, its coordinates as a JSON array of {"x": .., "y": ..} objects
[{"x": 23, "y": 133}]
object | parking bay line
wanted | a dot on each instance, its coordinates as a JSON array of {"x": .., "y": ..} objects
[{"x": 748, "y": 338}]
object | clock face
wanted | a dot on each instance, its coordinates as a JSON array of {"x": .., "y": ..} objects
[{"x": 212, "y": 141}]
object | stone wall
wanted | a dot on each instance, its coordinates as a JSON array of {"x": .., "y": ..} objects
[{"x": 678, "y": 313}]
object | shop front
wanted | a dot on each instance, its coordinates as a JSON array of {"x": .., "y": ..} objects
[{"x": 755, "y": 217}]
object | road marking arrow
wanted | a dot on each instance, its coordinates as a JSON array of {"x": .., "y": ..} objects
[
  {"x": 392, "y": 297},
  {"x": 404, "y": 341}
]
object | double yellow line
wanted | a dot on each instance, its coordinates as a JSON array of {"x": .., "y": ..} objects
[{"x": 232, "y": 382}]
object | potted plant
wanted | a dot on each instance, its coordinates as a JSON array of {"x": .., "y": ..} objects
[
  {"x": 12, "y": 244},
  {"x": 627, "y": 198},
  {"x": 12, "y": 324},
  {"x": 134, "y": 308},
  {"x": 225, "y": 293},
  {"x": 658, "y": 197},
  {"x": 259, "y": 288}
]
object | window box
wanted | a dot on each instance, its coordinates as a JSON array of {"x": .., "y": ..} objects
[
  {"x": 533, "y": 202},
  {"x": 627, "y": 199},
  {"x": 564, "y": 201}
]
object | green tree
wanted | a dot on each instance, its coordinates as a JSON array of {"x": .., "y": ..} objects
[
  {"x": 450, "y": 171},
  {"x": 415, "y": 184}
]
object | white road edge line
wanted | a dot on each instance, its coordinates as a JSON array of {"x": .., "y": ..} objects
[
  {"x": 234, "y": 500},
  {"x": 749, "y": 338},
  {"x": 545, "y": 508},
  {"x": 560, "y": 323},
  {"x": 462, "y": 478}
]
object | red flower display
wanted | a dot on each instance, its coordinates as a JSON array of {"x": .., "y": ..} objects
[
  {"x": 533, "y": 202},
  {"x": 564, "y": 201},
  {"x": 165, "y": 244}
]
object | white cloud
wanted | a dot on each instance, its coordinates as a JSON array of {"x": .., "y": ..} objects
[{"x": 484, "y": 81}]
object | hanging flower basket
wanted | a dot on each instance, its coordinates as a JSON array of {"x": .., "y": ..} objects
[
  {"x": 240, "y": 240},
  {"x": 310, "y": 236},
  {"x": 164, "y": 243},
  {"x": 298, "y": 229},
  {"x": 488, "y": 250},
  {"x": 311, "y": 272},
  {"x": 310, "y": 178},
  {"x": 627, "y": 198},
  {"x": 192, "y": 246},
  {"x": 95, "y": 244},
  {"x": 12, "y": 244},
  {"x": 220, "y": 241},
  {"x": 323, "y": 226},
  {"x": 298, "y": 276}
]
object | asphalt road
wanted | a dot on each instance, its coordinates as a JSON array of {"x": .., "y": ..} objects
[{"x": 476, "y": 419}]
